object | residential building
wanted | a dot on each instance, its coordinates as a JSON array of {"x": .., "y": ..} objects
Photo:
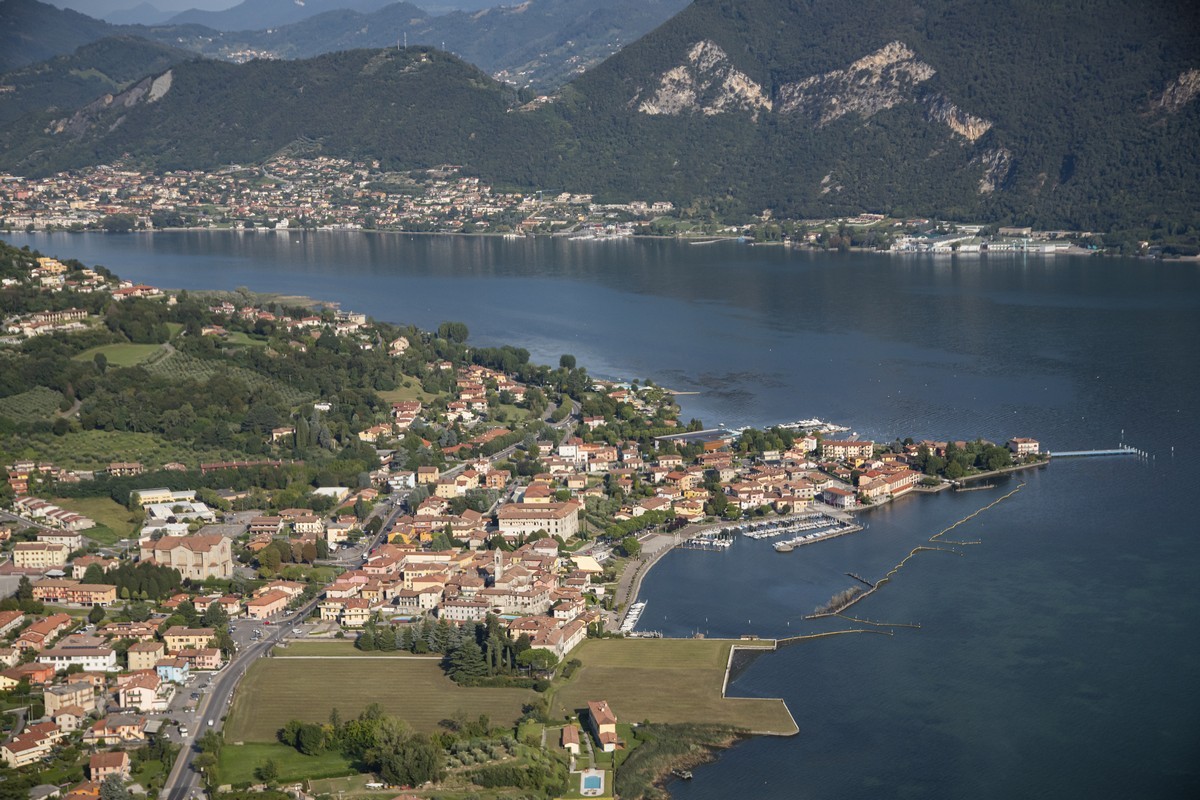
[
  {"x": 603, "y": 723},
  {"x": 179, "y": 637},
  {"x": 196, "y": 557},
  {"x": 39, "y": 555},
  {"x": 72, "y": 592},
  {"x": 89, "y": 652},
  {"x": 108, "y": 762},
  {"x": 1024, "y": 447},
  {"x": 78, "y": 695},
  {"x": 267, "y": 605},
  {"x": 144, "y": 655}
]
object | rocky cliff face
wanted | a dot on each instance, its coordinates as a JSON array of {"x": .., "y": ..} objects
[
  {"x": 873, "y": 83},
  {"x": 1178, "y": 93},
  {"x": 708, "y": 83},
  {"x": 149, "y": 90},
  {"x": 939, "y": 109}
]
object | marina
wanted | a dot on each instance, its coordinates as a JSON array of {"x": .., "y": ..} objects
[{"x": 632, "y": 616}]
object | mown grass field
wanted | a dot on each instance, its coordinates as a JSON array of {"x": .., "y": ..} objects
[
  {"x": 276, "y": 690},
  {"x": 665, "y": 680},
  {"x": 112, "y": 516},
  {"x": 238, "y": 762},
  {"x": 32, "y": 405},
  {"x": 402, "y": 393},
  {"x": 336, "y": 647},
  {"x": 122, "y": 354}
]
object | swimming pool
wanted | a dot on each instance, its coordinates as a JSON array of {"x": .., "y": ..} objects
[{"x": 591, "y": 783}]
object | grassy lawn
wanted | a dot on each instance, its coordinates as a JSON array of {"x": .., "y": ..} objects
[
  {"x": 276, "y": 690},
  {"x": 238, "y": 762},
  {"x": 632, "y": 674},
  {"x": 401, "y": 393},
  {"x": 337, "y": 647},
  {"x": 111, "y": 517},
  {"x": 123, "y": 354}
]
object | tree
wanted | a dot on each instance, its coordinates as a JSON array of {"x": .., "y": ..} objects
[
  {"x": 566, "y": 361},
  {"x": 268, "y": 771},
  {"x": 631, "y": 547},
  {"x": 465, "y": 662},
  {"x": 416, "y": 761},
  {"x": 538, "y": 659},
  {"x": 96, "y": 615},
  {"x": 24, "y": 588},
  {"x": 113, "y": 789}
]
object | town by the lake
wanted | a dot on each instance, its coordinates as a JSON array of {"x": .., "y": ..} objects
[{"x": 210, "y": 495}]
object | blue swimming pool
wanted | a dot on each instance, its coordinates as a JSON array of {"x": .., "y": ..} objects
[{"x": 593, "y": 782}]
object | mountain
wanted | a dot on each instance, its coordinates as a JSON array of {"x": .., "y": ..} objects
[
  {"x": 65, "y": 83},
  {"x": 31, "y": 31},
  {"x": 542, "y": 43},
  {"x": 255, "y": 14},
  {"x": 141, "y": 14},
  {"x": 1010, "y": 110},
  {"x": 969, "y": 109},
  {"x": 412, "y": 108}
]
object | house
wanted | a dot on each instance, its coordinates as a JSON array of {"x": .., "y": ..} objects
[
  {"x": 203, "y": 658},
  {"x": 173, "y": 670},
  {"x": 603, "y": 723},
  {"x": 196, "y": 557},
  {"x": 115, "y": 729},
  {"x": 10, "y": 621},
  {"x": 72, "y": 540},
  {"x": 267, "y": 605},
  {"x": 143, "y": 691},
  {"x": 179, "y": 637},
  {"x": 32, "y": 745},
  {"x": 71, "y": 695},
  {"x": 79, "y": 566},
  {"x": 841, "y": 498},
  {"x": 109, "y": 762},
  {"x": 1024, "y": 447},
  {"x": 43, "y": 632},
  {"x": 144, "y": 655},
  {"x": 570, "y": 739}
]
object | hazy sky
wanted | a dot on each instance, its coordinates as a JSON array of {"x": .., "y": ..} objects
[{"x": 94, "y": 8}]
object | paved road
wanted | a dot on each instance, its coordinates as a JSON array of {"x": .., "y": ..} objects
[{"x": 184, "y": 781}]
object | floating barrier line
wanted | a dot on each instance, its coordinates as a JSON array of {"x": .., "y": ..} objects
[{"x": 937, "y": 537}]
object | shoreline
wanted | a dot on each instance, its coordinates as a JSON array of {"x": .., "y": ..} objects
[{"x": 699, "y": 239}]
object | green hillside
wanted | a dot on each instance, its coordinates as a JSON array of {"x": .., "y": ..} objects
[{"x": 1066, "y": 114}]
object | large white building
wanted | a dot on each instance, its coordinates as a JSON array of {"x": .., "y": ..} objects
[{"x": 523, "y": 519}]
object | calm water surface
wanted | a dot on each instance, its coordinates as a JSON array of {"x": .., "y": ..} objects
[{"x": 1056, "y": 658}]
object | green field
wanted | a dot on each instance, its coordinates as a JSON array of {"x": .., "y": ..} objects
[
  {"x": 96, "y": 449},
  {"x": 181, "y": 366},
  {"x": 238, "y": 762},
  {"x": 666, "y": 680},
  {"x": 32, "y": 405},
  {"x": 335, "y": 647},
  {"x": 122, "y": 354},
  {"x": 402, "y": 393},
  {"x": 276, "y": 690},
  {"x": 112, "y": 516}
]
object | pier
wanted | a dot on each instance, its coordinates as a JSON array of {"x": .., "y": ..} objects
[{"x": 1116, "y": 451}]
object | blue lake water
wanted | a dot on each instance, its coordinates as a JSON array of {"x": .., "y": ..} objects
[{"x": 1058, "y": 657}]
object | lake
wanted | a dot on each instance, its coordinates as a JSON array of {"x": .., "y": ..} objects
[{"x": 1056, "y": 657}]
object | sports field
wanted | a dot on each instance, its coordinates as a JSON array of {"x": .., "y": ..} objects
[
  {"x": 666, "y": 680},
  {"x": 279, "y": 689}
]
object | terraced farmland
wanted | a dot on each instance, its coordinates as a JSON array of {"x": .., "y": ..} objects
[{"x": 181, "y": 366}]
